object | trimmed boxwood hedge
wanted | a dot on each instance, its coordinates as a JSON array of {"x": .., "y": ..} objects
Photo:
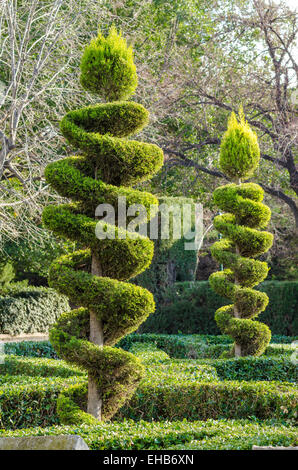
[
  {"x": 128, "y": 435},
  {"x": 204, "y": 400},
  {"x": 38, "y": 367},
  {"x": 250, "y": 369},
  {"x": 171, "y": 344},
  {"x": 172, "y": 389},
  {"x": 189, "y": 307},
  {"x": 34, "y": 403},
  {"x": 171, "y": 262},
  {"x": 177, "y": 346},
  {"x": 31, "y": 349},
  {"x": 29, "y": 388},
  {"x": 31, "y": 401},
  {"x": 30, "y": 310},
  {"x": 202, "y": 346}
]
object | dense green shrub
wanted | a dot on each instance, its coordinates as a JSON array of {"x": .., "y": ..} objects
[
  {"x": 176, "y": 346},
  {"x": 202, "y": 346},
  {"x": 30, "y": 310},
  {"x": 31, "y": 258},
  {"x": 170, "y": 383},
  {"x": 220, "y": 339},
  {"x": 281, "y": 312},
  {"x": 171, "y": 262},
  {"x": 141, "y": 435},
  {"x": 189, "y": 307},
  {"x": 162, "y": 369},
  {"x": 94, "y": 277},
  {"x": 149, "y": 353},
  {"x": 242, "y": 241},
  {"x": 7, "y": 274},
  {"x": 171, "y": 344},
  {"x": 29, "y": 389},
  {"x": 280, "y": 349}
]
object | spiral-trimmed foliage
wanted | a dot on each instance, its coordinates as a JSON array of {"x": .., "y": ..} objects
[
  {"x": 108, "y": 165},
  {"x": 242, "y": 241}
]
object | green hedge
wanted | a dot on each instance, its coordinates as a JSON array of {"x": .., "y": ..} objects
[
  {"x": 189, "y": 307},
  {"x": 163, "y": 370},
  {"x": 176, "y": 346},
  {"x": 31, "y": 349},
  {"x": 251, "y": 369},
  {"x": 193, "y": 401},
  {"x": 202, "y": 346},
  {"x": 29, "y": 388},
  {"x": 171, "y": 344},
  {"x": 31, "y": 401},
  {"x": 30, "y": 310},
  {"x": 142, "y": 435},
  {"x": 171, "y": 262},
  {"x": 38, "y": 367},
  {"x": 184, "y": 392},
  {"x": 7, "y": 274},
  {"x": 34, "y": 403},
  {"x": 172, "y": 389}
]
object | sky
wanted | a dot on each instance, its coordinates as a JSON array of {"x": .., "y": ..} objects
[{"x": 293, "y": 4}]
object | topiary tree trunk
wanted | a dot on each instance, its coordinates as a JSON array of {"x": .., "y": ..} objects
[
  {"x": 242, "y": 242},
  {"x": 94, "y": 277}
]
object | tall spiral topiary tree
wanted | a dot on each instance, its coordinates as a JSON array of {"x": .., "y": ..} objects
[
  {"x": 242, "y": 241},
  {"x": 94, "y": 277}
]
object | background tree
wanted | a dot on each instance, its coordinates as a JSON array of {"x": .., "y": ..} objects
[
  {"x": 197, "y": 61},
  {"x": 42, "y": 43},
  {"x": 249, "y": 59},
  {"x": 40, "y": 46}
]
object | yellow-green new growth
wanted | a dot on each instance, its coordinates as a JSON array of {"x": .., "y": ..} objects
[
  {"x": 107, "y": 67},
  {"x": 239, "y": 150}
]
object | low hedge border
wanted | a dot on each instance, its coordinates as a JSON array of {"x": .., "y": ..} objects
[
  {"x": 31, "y": 349},
  {"x": 163, "y": 370},
  {"x": 204, "y": 400},
  {"x": 262, "y": 368},
  {"x": 141, "y": 435},
  {"x": 200, "y": 346},
  {"x": 27, "y": 403},
  {"x": 178, "y": 346},
  {"x": 172, "y": 390},
  {"x": 38, "y": 367}
]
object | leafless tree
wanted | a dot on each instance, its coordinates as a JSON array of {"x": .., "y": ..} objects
[
  {"x": 262, "y": 74},
  {"x": 40, "y": 46},
  {"x": 40, "y": 49}
]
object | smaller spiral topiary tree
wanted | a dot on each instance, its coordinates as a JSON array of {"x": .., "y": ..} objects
[{"x": 242, "y": 241}]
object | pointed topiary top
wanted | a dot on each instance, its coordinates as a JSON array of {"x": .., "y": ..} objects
[
  {"x": 107, "y": 67},
  {"x": 239, "y": 150}
]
